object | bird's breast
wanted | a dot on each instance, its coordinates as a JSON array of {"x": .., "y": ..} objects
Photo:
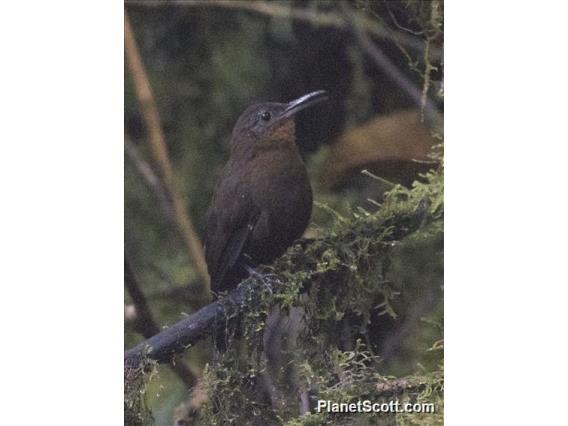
[
  {"x": 281, "y": 191},
  {"x": 280, "y": 181}
]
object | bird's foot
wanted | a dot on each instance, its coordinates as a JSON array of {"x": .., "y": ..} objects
[{"x": 264, "y": 278}]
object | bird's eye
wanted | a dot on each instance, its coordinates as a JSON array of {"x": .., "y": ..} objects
[{"x": 266, "y": 116}]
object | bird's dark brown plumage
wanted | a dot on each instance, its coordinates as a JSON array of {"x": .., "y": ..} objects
[{"x": 263, "y": 200}]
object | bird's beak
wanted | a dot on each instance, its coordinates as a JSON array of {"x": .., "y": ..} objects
[{"x": 304, "y": 102}]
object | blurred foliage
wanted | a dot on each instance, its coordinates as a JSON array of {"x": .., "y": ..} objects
[{"x": 205, "y": 66}]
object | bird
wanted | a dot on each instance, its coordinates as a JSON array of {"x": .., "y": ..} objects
[{"x": 263, "y": 200}]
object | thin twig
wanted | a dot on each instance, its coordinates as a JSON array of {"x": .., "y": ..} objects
[
  {"x": 158, "y": 148},
  {"x": 145, "y": 324},
  {"x": 145, "y": 170},
  {"x": 384, "y": 62},
  {"x": 400, "y": 27},
  {"x": 428, "y": 68},
  {"x": 317, "y": 18}
]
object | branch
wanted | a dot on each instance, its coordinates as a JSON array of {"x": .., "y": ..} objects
[
  {"x": 316, "y": 18},
  {"x": 145, "y": 324},
  {"x": 384, "y": 63},
  {"x": 144, "y": 169},
  {"x": 175, "y": 339},
  {"x": 159, "y": 151}
]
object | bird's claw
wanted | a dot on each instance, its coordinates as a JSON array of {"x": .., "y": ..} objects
[{"x": 260, "y": 276}]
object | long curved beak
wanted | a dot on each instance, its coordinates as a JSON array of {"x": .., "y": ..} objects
[{"x": 304, "y": 102}]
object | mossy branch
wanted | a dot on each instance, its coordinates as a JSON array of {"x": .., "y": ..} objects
[
  {"x": 402, "y": 213},
  {"x": 333, "y": 281}
]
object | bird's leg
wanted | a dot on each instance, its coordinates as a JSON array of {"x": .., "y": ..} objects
[{"x": 264, "y": 278}]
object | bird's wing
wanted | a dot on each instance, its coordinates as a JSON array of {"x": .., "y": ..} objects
[{"x": 229, "y": 227}]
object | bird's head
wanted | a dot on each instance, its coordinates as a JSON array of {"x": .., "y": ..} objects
[{"x": 269, "y": 122}]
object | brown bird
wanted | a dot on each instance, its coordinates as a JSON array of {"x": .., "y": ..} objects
[{"x": 263, "y": 201}]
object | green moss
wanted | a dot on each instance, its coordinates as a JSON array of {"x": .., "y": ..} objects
[
  {"x": 336, "y": 285},
  {"x": 136, "y": 380}
]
